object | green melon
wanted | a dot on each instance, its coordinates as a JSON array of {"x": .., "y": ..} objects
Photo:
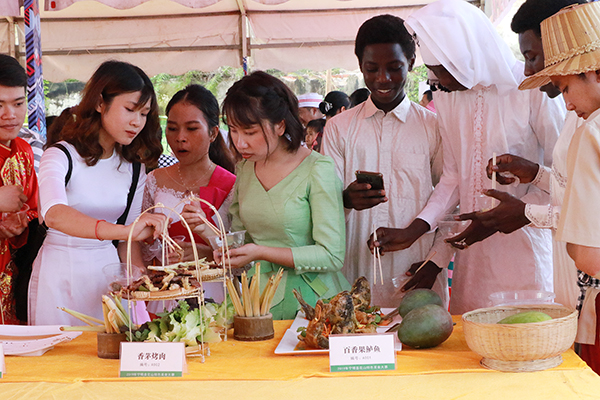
[
  {"x": 526, "y": 317},
  {"x": 418, "y": 298},
  {"x": 425, "y": 327}
]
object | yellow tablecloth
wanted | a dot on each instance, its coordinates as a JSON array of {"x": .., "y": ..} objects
[{"x": 248, "y": 370}]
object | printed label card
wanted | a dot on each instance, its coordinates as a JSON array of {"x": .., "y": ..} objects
[
  {"x": 362, "y": 352},
  {"x": 162, "y": 360}
]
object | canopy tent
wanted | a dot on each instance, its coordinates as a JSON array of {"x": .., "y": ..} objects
[
  {"x": 172, "y": 36},
  {"x": 176, "y": 36}
]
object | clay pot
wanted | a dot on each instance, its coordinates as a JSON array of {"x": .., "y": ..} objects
[
  {"x": 109, "y": 344},
  {"x": 251, "y": 329}
]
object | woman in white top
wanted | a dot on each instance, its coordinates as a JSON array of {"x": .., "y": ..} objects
[{"x": 115, "y": 125}]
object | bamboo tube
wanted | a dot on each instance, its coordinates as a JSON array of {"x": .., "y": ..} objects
[
  {"x": 107, "y": 326},
  {"x": 264, "y": 298},
  {"x": 277, "y": 280},
  {"x": 112, "y": 319},
  {"x": 256, "y": 292},
  {"x": 251, "y": 290},
  {"x": 246, "y": 295},
  {"x": 235, "y": 299}
]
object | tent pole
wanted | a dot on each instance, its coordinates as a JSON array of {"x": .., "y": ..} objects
[
  {"x": 11, "y": 36},
  {"x": 35, "y": 80},
  {"x": 243, "y": 34}
]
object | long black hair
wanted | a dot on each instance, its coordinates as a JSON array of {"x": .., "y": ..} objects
[
  {"x": 205, "y": 101},
  {"x": 112, "y": 79},
  {"x": 261, "y": 97},
  {"x": 333, "y": 102}
]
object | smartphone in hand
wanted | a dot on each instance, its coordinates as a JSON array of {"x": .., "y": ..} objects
[{"x": 375, "y": 179}]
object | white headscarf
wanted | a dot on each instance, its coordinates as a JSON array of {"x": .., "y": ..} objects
[{"x": 463, "y": 40}]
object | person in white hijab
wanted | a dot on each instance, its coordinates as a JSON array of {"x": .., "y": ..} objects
[{"x": 481, "y": 112}]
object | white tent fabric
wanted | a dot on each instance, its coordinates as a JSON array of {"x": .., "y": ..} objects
[
  {"x": 4, "y": 33},
  {"x": 10, "y": 8},
  {"x": 56, "y": 5},
  {"x": 176, "y": 36},
  {"x": 168, "y": 36}
]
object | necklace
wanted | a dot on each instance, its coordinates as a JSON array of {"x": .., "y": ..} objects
[{"x": 196, "y": 182}]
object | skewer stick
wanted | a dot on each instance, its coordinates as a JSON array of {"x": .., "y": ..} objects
[
  {"x": 211, "y": 226},
  {"x": 380, "y": 269},
  {"x": 82, "y": 317},
  {"x": 376, "y": 260},
  {"x": 425, "y": 262},
  {"x": 86, "y": 328},
  {"x": 418, "y": 269},
  {"x": 493, "y": 178}
]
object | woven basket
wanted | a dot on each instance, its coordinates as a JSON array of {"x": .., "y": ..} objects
[{"x": 520, "y": 347}]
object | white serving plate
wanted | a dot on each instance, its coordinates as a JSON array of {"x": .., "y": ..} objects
[
  {"x": 22, "y": 340},
  {"x": 289, "y": 341}
]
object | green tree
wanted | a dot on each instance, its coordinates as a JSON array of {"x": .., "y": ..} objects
[{"x": 417, "y": 75}]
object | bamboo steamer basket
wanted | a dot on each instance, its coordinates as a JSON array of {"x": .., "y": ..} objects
[{"x": 520, "y": 347}]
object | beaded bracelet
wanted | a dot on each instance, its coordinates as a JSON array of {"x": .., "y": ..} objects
[{"x": 96, "y": 230}]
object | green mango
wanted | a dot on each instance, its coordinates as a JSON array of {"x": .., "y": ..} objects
[
  {"x": 418, "y": 298},
  {"x": 526, "y": 317},
  {"x": 425, "y": 327}
]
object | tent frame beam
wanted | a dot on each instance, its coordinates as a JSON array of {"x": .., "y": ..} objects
[
  {"x": 196, "y": 48},
  {"x": 217, "y": 14}
]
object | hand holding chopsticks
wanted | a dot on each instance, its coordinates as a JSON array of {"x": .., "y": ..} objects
[
  {"x": 195, "y": 217},
  {"x": 376, "y": 260},
  {"x": 493, "y": 178},
  {"x": 398, "y": 290}
]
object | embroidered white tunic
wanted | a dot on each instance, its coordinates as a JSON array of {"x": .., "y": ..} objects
[
  {"x": 474, "y": 124},
  {"x": 490, "y": 116},
  {"x": 554, "y": 181}
]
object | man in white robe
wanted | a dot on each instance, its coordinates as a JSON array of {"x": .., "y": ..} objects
[
  {"x": 512, "y": 213},
  {"x": 482, "y": 112},
  {"x": 394, "y": 136}
]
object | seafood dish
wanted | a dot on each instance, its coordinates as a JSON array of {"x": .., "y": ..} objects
[{"x": 345, "y": 313}]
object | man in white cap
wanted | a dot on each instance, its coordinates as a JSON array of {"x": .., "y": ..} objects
[
  {"x": 481, "y": 112},
  {"x": 308, "y": 107}
]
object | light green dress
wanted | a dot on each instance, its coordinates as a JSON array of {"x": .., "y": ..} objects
[{"x": 304, "y": 212}]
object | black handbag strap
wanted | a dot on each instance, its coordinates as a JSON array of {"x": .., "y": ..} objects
[
  {"x": 67, "y": 176},
  {"x": 70, "y": 170},
  {"x": 134, "y": 181}
]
